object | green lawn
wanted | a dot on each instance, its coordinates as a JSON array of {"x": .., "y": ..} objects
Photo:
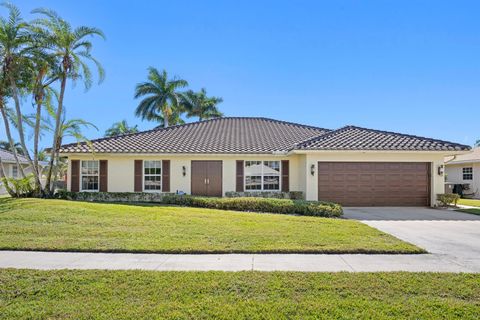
[
  {"x": 472, "y": 211},
  {"x": 98, "y": 294},
  {"x": 469, "y": 202},
  {"x": 35, "y": 224}
]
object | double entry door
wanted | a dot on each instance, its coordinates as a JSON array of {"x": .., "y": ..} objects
[{"x": 207, "y": 178}]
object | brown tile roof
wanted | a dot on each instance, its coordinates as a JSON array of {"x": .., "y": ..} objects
[
  {"x": 356, "y": 138},
  {"x": 223, "y": 135}
]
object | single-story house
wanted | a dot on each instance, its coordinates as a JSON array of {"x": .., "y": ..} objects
[
  {"x": 10, "y": 166},
  {"x": 353, "y": 166},
  {"x": 464, "y": 170}
]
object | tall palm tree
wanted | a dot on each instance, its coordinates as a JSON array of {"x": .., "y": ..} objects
[
  {"x": 162, "y": 100},
  {"x": 15, "y": 41},
  {"x": 120, "y": 127},
  {"x": 477, "y": 143},
  {"x": 72, "y": 51},
  {"x": 197, "y": 104},
  {"x": 68, "y": 128},
  {"x": 5, "y": 145}
]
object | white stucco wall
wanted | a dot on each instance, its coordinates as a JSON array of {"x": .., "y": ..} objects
[
  {"x": 8, "y": 169},
  {"x": 121, "y": 170},
  {"x": 312, "y": 158},
  {"x": 454, "y": 174}
]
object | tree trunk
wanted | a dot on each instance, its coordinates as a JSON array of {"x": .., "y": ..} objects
[
  {"x": 10, "y": 140},
  {"x": 38, "y": 188},
  {"x": 20, "y": 129},
  {"x": 48, "y": 185}
]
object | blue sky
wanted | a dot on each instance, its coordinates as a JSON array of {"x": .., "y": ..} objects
[{"x": 406, "y": 66}]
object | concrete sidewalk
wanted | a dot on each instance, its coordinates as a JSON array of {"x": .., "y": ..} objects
[{"x": 237, "y": 262}]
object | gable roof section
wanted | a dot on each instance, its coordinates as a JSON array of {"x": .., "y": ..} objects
[
  {"x": 223, "y": 135},
  {"x": 471, "y": 157},
  {"x": 357, "y": 138},
  {"x": 8, "y": 157}
]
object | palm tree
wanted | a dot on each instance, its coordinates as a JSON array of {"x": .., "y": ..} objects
[
  {"x": 68, "y": 128},
  {"x": 477, "y": 143},
  {"x": 5, "y": 145},
  {"x": 161, "y": 97},
  {"x": 72, "y": 52},
  {"x": 120, "y": 127},
  {"x": 197, "y": 104},
  {"x": 15, "y": 46}
]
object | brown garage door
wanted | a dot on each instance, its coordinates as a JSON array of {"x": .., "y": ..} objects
[{"x": 375, "y": 183}]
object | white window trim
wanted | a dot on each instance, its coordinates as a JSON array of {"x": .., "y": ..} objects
[
  {"x": 261, "y": 190},
  {"x": 11, "y": 171},
  {"x": 161, "y": 177},
  {"x": 89, "y": 175},
  {"x": 470, "y": 173}
]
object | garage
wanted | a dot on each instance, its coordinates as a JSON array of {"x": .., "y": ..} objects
[{"x": 375, "y": 183}]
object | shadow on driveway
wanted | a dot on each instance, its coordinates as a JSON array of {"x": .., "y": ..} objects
[{"x": 406, "y": 214}]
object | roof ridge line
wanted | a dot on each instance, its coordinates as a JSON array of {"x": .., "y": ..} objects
[
  {"x": 319, "y": 137},
  {"x": 404, "y": 135},
  {"x": 156, "y": 129}
]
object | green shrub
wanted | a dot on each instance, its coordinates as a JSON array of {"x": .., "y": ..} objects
[
  {"x": 249, "y": 204},
  {"x": 447, "y": 199},
  {"x": 19, "y": 187},
  {"x": 285, "y": 206}
]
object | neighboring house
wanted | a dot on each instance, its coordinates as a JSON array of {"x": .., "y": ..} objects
[
  {"x": 465, "y": 169},
  {"x": 353, "y": 166},
  {"x": 10, "y": 166}
]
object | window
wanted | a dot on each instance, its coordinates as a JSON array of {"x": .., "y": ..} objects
[
  {"x": 89, "y": 175},
  {"x": 14, "y": 171},
  {"x": 262, "y": 175},
  {"x": 152, "y": 175},
  {"x": 467, "y": 173}
]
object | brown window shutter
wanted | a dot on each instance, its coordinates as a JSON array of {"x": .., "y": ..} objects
[
  {"x": 285, "y": 174},
  {"x": 240, "y": 168},
  {"x": 75, "y": 176},
  {"x": 103, "y": 176},
  {"x": 138, "y": 185},
  {"x": 166, "y": 176}
]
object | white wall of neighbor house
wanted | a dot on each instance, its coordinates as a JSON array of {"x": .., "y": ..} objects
[
  {"x": 454, "y": 174},
  {"x": 436, "y": 159},
  {"x": 121, "y": 169},
  {"x": 10, "y": 172}
]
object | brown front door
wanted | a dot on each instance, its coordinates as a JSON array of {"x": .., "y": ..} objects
[
  {"x": 207, "y": 178},
  {"x": 375, "y": 183}
]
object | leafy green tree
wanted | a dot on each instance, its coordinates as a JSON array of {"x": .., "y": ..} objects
[
  {"x": 120, "y": 127},
  {"x": 71, "y": 49},
  {"x": 5, "y": 145},
  {"x": 198, "y": 104},
  {"x": 15, "y": 41},
  {"x": 161, "y": 99}
]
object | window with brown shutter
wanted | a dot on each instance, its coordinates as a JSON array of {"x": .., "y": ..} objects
[
  {"x": 239, "y": 184},
  {"x": 285, "y": 176},
  {"x": 138, "y": 183},
  {"x": 165, "y": 175},
  {"x": 75, "y": 176},
  {"x": 103, "y": 176}
]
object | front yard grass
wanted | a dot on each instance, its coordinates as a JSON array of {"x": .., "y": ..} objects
[
  {"x": 469, "y": 202},
  {"x": 59, "y": 225},
  {"x": 470, "y": 210},
  {"x": 95, "y": 294}
]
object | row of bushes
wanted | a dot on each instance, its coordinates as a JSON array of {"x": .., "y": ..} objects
[{"x": 249, "y": 204}]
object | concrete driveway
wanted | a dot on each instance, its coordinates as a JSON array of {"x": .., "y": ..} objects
[{"x": 451, "y": 234}]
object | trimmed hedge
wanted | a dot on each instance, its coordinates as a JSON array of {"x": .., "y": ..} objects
[{"x": 248, "y": 204}]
